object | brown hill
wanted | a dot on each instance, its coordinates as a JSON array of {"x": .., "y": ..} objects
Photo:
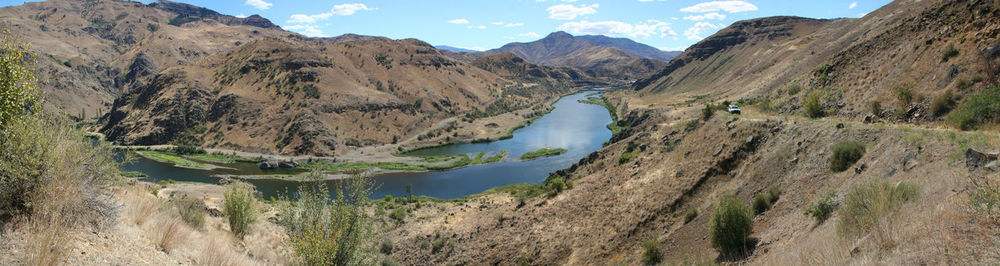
[
  {"x": 184, "y": 74},
  {"x": 90, "y": 51},
  {"x": 563, "y": 49}
]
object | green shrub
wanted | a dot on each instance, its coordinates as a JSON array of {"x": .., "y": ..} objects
[
  {"x": 845, "y": 154},
  {"x": 690, "y": 214},
  {"x": 821, "y": 209},
  {"x": 398, "y": 214},
  {"x": 18, "y": 94},
  {"x": 813, "y": 109},
  {"x": 867, "y": 207},
  {"x": 876, "y": 108},
  {"x": 794, "y": 89},
  {"x": 977, "y": 110},
  {"x": 652, "y": 252},
  {"x": 949, "y": 52},
  {"x": 386, "y": 247},
  {"x": 191, "y": 210},
  {"x": 187, "y": 149},
  {"x": 942, "y": 103},
  {"x": 240, "y": 208},
  {"x": 904, "y": 96},
  {"x": 762, "y": 201},
  {"x": 730, "y": 226},
  {"x": 707, "y": 112},
  {"x": 439, "y": 244},
  {"x": 331, "y": 231}
]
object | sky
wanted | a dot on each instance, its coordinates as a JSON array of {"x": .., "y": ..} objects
[{"x": 670, "y": 25}]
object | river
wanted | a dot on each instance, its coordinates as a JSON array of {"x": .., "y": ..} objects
[{"x": 578, "y": 127}]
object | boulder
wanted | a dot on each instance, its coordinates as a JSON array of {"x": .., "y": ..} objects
[
  {"x": 267, "y": 165},
  {"x": 288, "y": 164},
  {"x": 976, "y": 159},
  {"x": 225, "y": 181}
]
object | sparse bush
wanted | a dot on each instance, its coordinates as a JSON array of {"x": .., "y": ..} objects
[
  {"x": 821, "y": 209},
  {"x": 730, "y": 226},
  {"x": 876, "y": 108},
  {"x": 18, "y": 94},
  {"x": 191, "y": 210},
  {"x": 762, "y": 201},
  {"x": 845, "y": 154},
  {"x": 707, "y": 112},
  {"x": 904, "y": 96},
  {"x": 332, "y": 231},
  {"x": 979, "y": 109},
  {"x": 867, "y": 209},
  {"x": 386, "y": 247},
  {"x": 690, "y": 214},
  {"x": 949, "y": 52},
  {"x": 187, "y": 149},
  {"x": 812, "y": 106},
  {"x": 652, "y": 252},
  {"x": 794, "y": 89},
  {"x": 439, "y": 244},
  {"x": 942, "y": 103},
  {"x": 398, "y": 214},
  {"x": 240, "y": 208}
]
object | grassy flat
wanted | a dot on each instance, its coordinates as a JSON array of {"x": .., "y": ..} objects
[
  {"x": 171, "y": 158},
  {"x": 543, "y": 152}
]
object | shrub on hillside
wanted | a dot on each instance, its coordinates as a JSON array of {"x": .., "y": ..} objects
[
  {"x": 876, "y": 108},
  {"x": 191, "y": 210},
  {"x": 867, "y": 210},
  {"x": 187, "y": 149},
  {"x": 240, "y": 208},
  {"x": 977, "y": 110},
  {"x": 690, "y": 214},
  {"x": 949, "y": 52},
  {"x": 813, "y": 109},
  {"x": 762, "y": 201},
  {"x": 332, "y": 231},
  {"x": 845, "y": 154},
  {"x": 942, "y": 103},
  {"x": 707, "y": 112},
  {"x": 50, "y": 174},
  {"x": 652, "y": 252},
  {"x": 730, "y": 226},
  {"x": 904, "y": 96},
  {"x": 822, "y": 208}
]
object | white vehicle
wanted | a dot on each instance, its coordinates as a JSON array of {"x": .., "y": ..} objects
[{"x": 733, "y": 109}]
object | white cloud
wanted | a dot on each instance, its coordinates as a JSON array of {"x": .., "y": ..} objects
[
  {"x": 714, "y": 6},
  {"x": 700, "y": 28},
  {"x": 341, "y": 10},
  {"x": 853, "y": 5},
  {"x": 308, "y": 19},
  {"x": 651, "y": 0},
  {"x": 241, "y": 15},
  {"x": 480, "y": 27},
  {"x": 568, "y": 12},
  {"x": 349, "y": 9},
  {"x": 474, "y": 48},
  {"x": 617, "y": 28},
  {"x": 671, "y": 49},
  {"x": 307, "y": 30},
  {"x": 459, "y": 21},
  {"x": 706, "y": 16},
  {"x": 508, "y": 25},
  {"x": 568, "y": 1},
  {"x": 531, "y": 34},
  {"x": 259, "y": 4}
]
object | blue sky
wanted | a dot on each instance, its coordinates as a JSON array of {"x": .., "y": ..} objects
[{"x": 487, "y": 24}]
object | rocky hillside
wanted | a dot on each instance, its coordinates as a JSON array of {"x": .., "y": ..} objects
[
  {"x": 598, "y": 55},
  {"x": 168, "y": 73},
  {"x": 89, "y": 52},
  {"x": 920, "y": 49},
  {"x": 661, "y": 178}
]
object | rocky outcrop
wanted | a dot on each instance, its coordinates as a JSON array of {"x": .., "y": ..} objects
[
  {"x": 195, "y": 13},
  {"x": 307, "y": 135},
  {"x": 976, "y": 160},
  {"x": 142, "y": 66}
]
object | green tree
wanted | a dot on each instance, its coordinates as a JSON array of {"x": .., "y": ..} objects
[{"x": 18, "y": 94}]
